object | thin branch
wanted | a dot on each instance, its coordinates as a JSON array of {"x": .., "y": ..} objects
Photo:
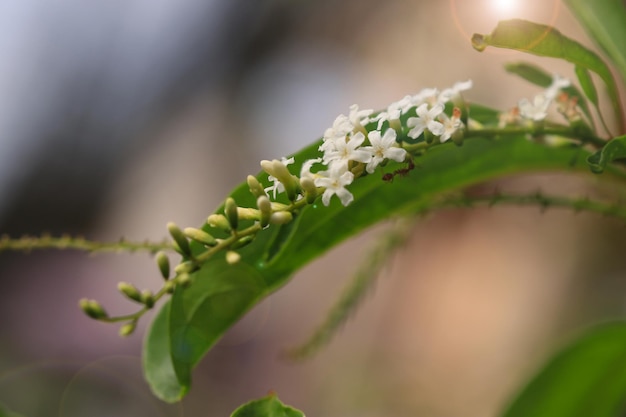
[{"x": 65, "y": 242}]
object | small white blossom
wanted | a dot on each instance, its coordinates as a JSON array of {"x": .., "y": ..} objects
[
  {"x": 305, "y": 171},
  {"x": 537, "y": 110},
  {"x": 341, "y": 127},
  {"x": 394, "y": 111},
  {"x": 277, "y": 186},
  {"x": 425, "y": 120},
  {"x": 449, "y": 93},
  {"x": 427, "y": 95},
  {"x": 343, "y": 151},
  {"x": 335, "y": 181},
  {"x": 359, "y": 117},
  {"x": 450, "y": 124},
  {"x": 558, "y": 83},
  {"x": 382, "y": 148}
]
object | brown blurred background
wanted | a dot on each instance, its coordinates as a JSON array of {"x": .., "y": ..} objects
[{"x": 117, "y": 117}]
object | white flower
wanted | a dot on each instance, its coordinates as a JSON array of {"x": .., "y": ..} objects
[
  {"x": 425, "y": 120},
  {"x": 537, "y": 110},
  {"x": 341, "y": 127},
  {"x": 343, "y": 151},
  {"x": 305, "y": 171},
  {"x": 450, "y": 124},
  {"x": 558, "y": 83},
  {"x": 277, "y": 186},
  {"x": 335, "y": 181},
  {"x": 427, "y": 95},
  {"x": 382, "y": 148},
  {"x": 394, "y": 111},
  {"x": 449, "y": 93},
  {"x": 359, "y": 117}
]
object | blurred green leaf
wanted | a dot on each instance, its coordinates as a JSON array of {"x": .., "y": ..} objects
[
  {"x": 542, "y": 78},
  {"x": 269, "y": 406},
  {"x": 586, "y": 379},
  {"x": 605, "y": 22},
  {"x": 614, "y": 149},
  {"x": 546, "y": 41},
  {"x": 6, "y": 413}
]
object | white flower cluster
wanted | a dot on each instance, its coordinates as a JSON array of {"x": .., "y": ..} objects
[
  {"x": 538, "y": 109},
  {"x": 342, "y": 147}
]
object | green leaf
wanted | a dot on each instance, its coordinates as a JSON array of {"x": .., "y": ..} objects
[
  {"x": 269, "y": 406},
  {"x": 546, "y": 41},
  {"x": 605, "y": 22},
  {"x": 542, "y": 78},
  {"x": 586, "y": 379},
  {"x": 195, "y": 318},
  {"x": 614, "y": 149},
  {"x": 6, "y": 413}
]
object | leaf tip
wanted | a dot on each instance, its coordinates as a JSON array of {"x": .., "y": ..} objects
[{"x": 479, "y": 42}]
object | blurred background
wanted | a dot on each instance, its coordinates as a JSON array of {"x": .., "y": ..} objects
[{"x": 117, "y": 117}]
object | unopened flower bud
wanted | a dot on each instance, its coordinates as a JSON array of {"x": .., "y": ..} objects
[
  {"x": 164, "y": 264},
  {"x": 289, "y": 181},
  {"x": 265, "y": 209},
  {"x": 200, "y": 236},
  {"x": 232, "y": 257},
  {"x": 255, "y": 187},
  {"x": 246, "y": 213},
  {"x": 281, "y": 217},
  {"x": 169, "y": 286},
  {"x": 218, "y": 221},
  {"x": 183, "y": 280},
  {"x": 185, "y": 267},
  {"x": 92, "y": 308},
  {"x": 309, "y": 188},
  {"x": 179, "y": 238},
  {"x": 147, "y": 298},
  {"x": 128, "y": 329},
  {"x": 129, "y": 291},
  {"x": 230, "y": 210}
]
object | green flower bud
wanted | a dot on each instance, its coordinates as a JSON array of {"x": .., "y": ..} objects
[
  {"x": 246, "y": 213},
  {"x": 255, "y": 187},
  {"x": 185, "y": 267},
  {"x": 92, "y": 308},
  {"x": 232, "y": 257},
  {"x": 200, "y": 236},
  {"x": 183, "y": 280},
  {"x": 179, "y": 238},
  {"x": 289, "y": 181},
  {"x": 281, "y": 217},
  {"x": 230, "y": 210},
  {"x": 170, "y": 286},
  {"x": 265, "y": 209},
  {"x": 128, "y": 329},
  {"x": 147, "y": 298},
  {"x": 129, "y": 291},
  {"x": 310, "y": 190},
  {"x": 164, "y": 264},
  {"x": 279, "y": 206},
  {"x": 218, "y": 221}
]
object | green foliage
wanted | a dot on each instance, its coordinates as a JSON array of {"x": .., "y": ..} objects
[
  {"x": 614, "y": 149},
  {"x": 546, "y": 41},
  {"x": 6, "y": 413},
  {"x": 605, "y": 22},
  {"x": 221, "y": 293},
  {"x": 586, "y": 379},
  {"x": 269, "y": 406}
]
